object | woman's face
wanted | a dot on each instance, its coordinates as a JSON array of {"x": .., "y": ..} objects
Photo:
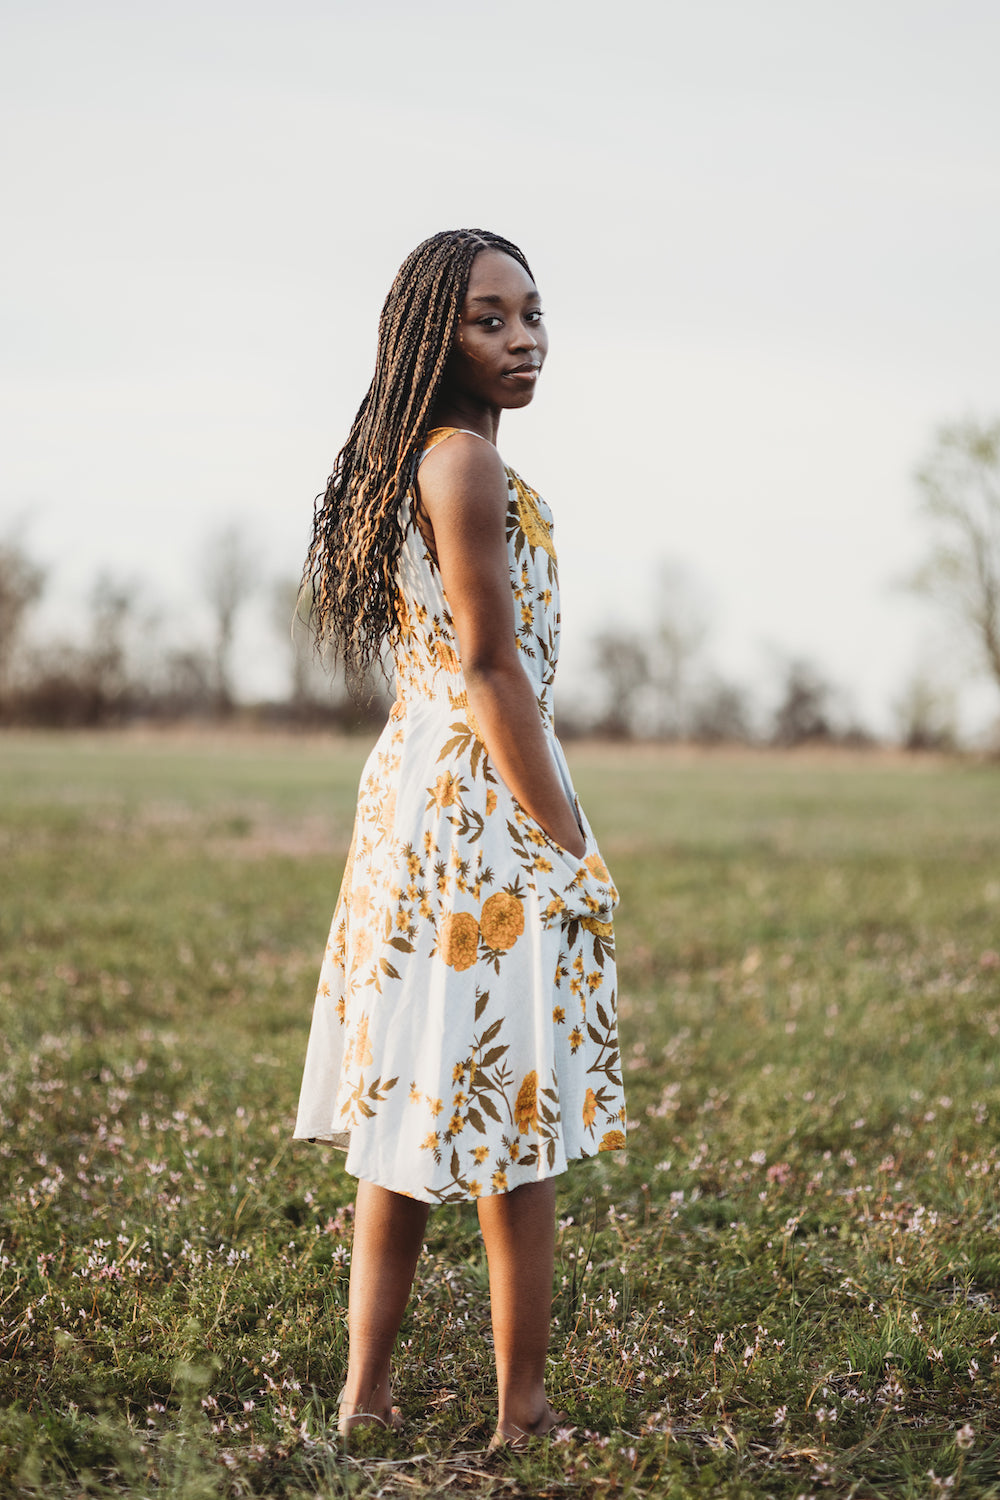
[{"x": 500, "y": 343}]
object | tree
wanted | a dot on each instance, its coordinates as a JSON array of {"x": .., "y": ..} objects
[
  {"x": 112, "y": 611},
  {"x": 229, "y": 577},
  {"x": 925, "y": 713},
  {"x": 290, "y": 613},
  {"x": 21, "y": 583},
  {"x": 804, "y": 711},
  {"x": 621, "y": 666},
  {"x": 721, "y": 714},
  {"x": 680, "y": 629},
  {"x": 960, "y": 498}
]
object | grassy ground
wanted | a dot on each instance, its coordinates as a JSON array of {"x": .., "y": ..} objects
[{"x": 790, "y": 1285}]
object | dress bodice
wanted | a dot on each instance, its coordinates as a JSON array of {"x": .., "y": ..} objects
[{"x": 426, "y": 651}]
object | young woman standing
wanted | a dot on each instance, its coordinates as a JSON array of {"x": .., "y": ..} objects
[{"x": 464, "y": 1039}]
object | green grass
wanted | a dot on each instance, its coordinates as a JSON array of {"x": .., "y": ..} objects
[{"x": 789, "y": 1287}]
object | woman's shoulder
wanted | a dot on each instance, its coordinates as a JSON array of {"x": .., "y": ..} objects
[{"x": 456, "y": 458}]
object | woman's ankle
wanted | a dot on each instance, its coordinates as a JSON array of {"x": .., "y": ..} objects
[
  {"x": 363, "y": 1394},
  {"x": 531, "y": 1416}
]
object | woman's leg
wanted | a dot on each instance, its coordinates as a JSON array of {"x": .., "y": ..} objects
[
  {"x": 519, "y": 1230},
  {"x": 388, "y": 1233}
]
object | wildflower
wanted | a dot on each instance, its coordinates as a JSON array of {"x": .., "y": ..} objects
[{"x": 965, "y": 1437}]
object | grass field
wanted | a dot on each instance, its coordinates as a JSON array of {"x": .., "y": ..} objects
[{"x": 788, "y": 1287}]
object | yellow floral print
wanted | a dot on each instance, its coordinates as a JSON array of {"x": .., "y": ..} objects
[
  {"x": 589, "y": 1108},
  {"x": 526, "y": 1104},
  {"x": 458, "y": 936},
  {"x": 446, "y": 790},
  {"x": 501, "y": 920}
]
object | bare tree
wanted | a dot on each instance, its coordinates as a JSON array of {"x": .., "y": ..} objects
[
  {"x": 112, "y": 610},
  {"x": 290, "y": 613},
  {"x": 676, "y": 642},
  {"x": 804, "y": 711},
  {"x": 621, "y": 665},
  {"x": 960, "y": 497},
  {"x": 229, "y": 576},
  {"x": 21, "y": 583},
  {"x": 720, "y": 714},
  {"x": 925, "y": 713}
]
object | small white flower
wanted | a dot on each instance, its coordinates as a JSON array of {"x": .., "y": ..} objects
[{"x": 965, "y": 1437}]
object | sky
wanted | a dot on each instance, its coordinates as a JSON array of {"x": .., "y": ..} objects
[{"x": 766, "y": 238}]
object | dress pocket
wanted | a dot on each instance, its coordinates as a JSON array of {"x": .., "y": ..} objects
[{"x": 569, "y": 887}]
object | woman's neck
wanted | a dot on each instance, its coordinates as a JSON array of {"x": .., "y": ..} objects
[{"x": 484, "y": 421}]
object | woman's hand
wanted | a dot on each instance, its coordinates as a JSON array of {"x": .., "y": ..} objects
[{"x": 463, "y": 494}]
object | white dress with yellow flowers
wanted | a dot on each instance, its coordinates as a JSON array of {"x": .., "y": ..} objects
[{"x": 464, "y": 1039}]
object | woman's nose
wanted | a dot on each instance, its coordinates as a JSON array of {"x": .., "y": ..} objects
[{"x": 522, "y": 336}]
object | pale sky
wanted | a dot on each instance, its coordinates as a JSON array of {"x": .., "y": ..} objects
[{"x": 766, "y": 235}]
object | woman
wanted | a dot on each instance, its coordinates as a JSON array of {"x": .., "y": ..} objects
[{"x": 464, "y": 1040}]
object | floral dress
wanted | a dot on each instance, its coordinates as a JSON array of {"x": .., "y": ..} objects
[{"x": 464, "y": 1038}]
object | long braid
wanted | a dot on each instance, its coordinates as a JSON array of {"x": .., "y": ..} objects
[{"x": 350, "y": 569}]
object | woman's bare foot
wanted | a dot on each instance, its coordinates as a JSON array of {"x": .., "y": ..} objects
[
  {"x": 377, "y": 1411},
  {"x": 517, "y": 1435}
]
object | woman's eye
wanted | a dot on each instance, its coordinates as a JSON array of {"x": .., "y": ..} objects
[
  {"x": 535, "y": 316},
  {"x": 490, "y": 322}
]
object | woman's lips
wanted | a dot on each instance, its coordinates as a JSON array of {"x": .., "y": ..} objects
[{"x": 523, "y": 372}]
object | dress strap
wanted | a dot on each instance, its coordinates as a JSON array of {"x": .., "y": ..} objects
[{"x": 441, "y": 434}]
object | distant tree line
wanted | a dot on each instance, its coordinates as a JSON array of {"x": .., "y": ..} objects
[
  {"x": 656, "y": 682},
  {"x": 125, "y": 667}
]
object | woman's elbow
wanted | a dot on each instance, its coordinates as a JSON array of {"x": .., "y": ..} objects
[{"x": 490, "y": 667}]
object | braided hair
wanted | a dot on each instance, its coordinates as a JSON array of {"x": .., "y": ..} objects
[{"x": 358, "y": 528}]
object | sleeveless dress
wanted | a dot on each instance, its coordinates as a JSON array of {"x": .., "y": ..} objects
[{"x": 464, "y": 1038}]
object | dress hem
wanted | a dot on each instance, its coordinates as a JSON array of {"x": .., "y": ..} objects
[{"x": 434, "y": 1199}]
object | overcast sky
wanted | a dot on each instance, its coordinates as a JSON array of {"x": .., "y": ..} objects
[{"x": 766, "y": 235}]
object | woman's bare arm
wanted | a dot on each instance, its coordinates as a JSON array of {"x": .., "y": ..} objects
[{"x": 463, "y": 492}]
